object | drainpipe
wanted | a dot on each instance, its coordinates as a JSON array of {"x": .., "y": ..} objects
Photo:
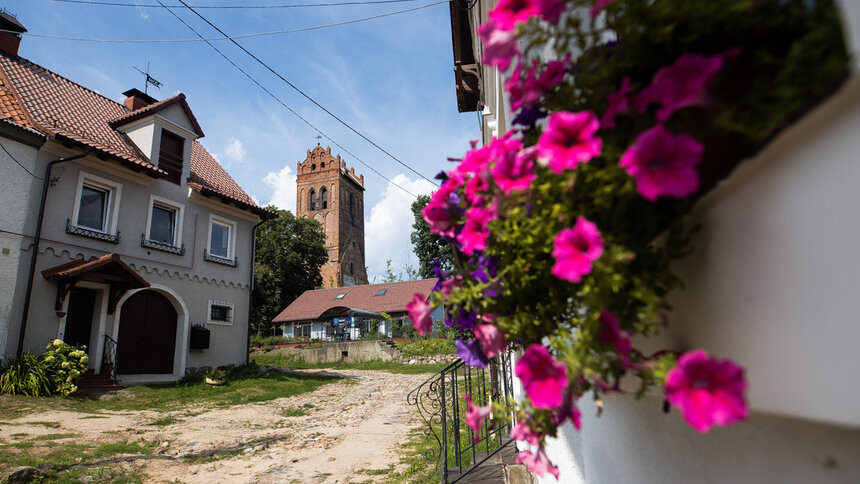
[
  {"x": 251, "y": 285},
  {"x": 36, "y": 240}
]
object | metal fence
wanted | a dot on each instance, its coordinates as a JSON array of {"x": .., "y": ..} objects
[{"x": 441, "y": 403}]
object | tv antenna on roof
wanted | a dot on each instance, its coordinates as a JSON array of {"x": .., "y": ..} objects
[{"x": 149, "y": 79}]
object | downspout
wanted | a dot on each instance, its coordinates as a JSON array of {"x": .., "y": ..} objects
[
  {"x": 251, "y": 286},
  {"x": 37, "y": 238}
]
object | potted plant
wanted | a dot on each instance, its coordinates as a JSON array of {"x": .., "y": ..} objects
[{"x": 215, "y": 376}]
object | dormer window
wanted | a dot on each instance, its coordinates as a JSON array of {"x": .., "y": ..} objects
[{"x": 170, "y": 156}]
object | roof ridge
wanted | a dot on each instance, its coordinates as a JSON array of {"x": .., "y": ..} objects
[{"x": 40, "y": 66}]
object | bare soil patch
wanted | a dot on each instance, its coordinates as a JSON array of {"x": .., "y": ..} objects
[{"x": 330, "y": 435}]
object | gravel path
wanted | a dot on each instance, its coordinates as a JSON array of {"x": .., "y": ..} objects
[{"x": 338, "y": 430}]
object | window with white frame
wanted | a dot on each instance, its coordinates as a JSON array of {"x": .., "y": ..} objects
[
  {"x": 164, "y": 224},
  {"x": 96, "y": 203},
  {"x": 222, "y": 237},
  {"x": 220, "y": 312}
]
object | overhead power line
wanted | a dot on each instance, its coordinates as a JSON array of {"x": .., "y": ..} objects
[
  {"x": 296, "y": 5},
  {"x": 242, "y": 36},
  {"x": 306, "y": 96},
  {"x": 282, "y": 103},
  {"x": 21, "y": 165}
]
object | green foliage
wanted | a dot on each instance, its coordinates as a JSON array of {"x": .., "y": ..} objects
[
  {"x": 427, "y": 347},
  {"x": 428, "y": 247},
  {"x": 289, "y": 254},
  {"x": 25, "y": 376},
  {"x": 294, "y": 361},
  {"x": 216, "y": 374},
  {"x": 65, "y": 364}
]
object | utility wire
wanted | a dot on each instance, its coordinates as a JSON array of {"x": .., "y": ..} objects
[
  {"x": 276, "y": 98},
  {"x": 296, "y": 5},
  {"x": 22, "y": 166},
  {"x": 237, "y": 44},
  {"x": 243, "y": 36}
]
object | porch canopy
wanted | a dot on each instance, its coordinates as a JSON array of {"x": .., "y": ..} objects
[
  {"x": 107, "y": 269},
  {"x": 343, "y": 311}
]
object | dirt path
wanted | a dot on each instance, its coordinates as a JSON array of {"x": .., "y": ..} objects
[{"x": 326, "y": 436}]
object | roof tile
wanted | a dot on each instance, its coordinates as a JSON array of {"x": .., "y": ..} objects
[{"x": 311, "y": 304}]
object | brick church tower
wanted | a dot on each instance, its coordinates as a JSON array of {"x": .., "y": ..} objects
[{"x": 334, "y": 196}]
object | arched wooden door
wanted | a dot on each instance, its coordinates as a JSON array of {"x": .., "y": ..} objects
[{"x": 147, "y": 335}]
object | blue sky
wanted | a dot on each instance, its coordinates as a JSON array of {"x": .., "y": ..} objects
[{"x": 390, "y": 78}]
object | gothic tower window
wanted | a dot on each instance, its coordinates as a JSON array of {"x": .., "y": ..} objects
[
  {"x": 312, "y": 199},
  {"x": 351, "y": 205},
  {"x": 324, "y": 197}
]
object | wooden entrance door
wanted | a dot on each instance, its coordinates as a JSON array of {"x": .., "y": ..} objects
[
  {"x": 147, "y": 335},
  {"x": 79, "y": 317}
]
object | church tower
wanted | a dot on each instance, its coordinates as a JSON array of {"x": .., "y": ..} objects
[{"x": 334, "y": 196}]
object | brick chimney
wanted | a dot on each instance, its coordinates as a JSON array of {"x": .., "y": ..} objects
[
  {"x": 9, "y": 41},
  {"x": 136, "y": 99}
]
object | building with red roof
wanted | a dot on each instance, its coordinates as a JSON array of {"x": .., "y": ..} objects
[
  {"x": 351, "y": 310},
  {"x": 119, "y": 231}
]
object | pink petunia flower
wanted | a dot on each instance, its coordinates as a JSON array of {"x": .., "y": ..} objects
[
  {"x": 618, "y": 103},
  {"x": 508, "y": 13},
  {"x": 419, "y": 312},
  {"x": 682, "y": 84},
  {"x": 611, "y": 332},
  {"x": 474, "y": 234},
  {"x": 598, "y": 6},
  {"x": 515, "y": 170},
  {"x": 543, "y": 378},
  {"x": 663, "y": 163},
  {"x": 575, "y": 249},
  {"x": 475, "y": 417},
  {"x": 522, "y": 432},
  {"x": 439, "y": 218},
  {"x": 500, "y": 45},
  {"x": 706, "y": 390},
  {"x": 537, "y": 462},
  {"x": 527, "y": 91},
  {"x": 569, "y": 140},
  {"x": 492, "y": 339},
  {"x": 568, "y": 408}
]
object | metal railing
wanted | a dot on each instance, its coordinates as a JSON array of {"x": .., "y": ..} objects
[
  {"x": 441, "y": 404},
  {"x": 93, "y": 234},
  {"x": 109, "y": 358}
]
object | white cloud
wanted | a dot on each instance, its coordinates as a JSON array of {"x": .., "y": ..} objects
[
  {"x": 233, "y": 152},
  {"x": 386, "y": 233},
  {"x": 283, "y": 185}
]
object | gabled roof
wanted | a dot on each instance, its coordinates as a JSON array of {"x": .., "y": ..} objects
[
  {"x": 156, "y": 107},
  {"x": 312, "y": 304},
  {"x": 37, "y": 98}
]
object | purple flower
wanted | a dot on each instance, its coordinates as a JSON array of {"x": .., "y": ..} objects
[
  {"x": 611, "y": 333},
  {"x": 470, "y": 352},
  {"x": 681, "y": 84},
  {"x": 569, "y": 139},
  {"x": 462, "y": 319},
  {"x": 575, "y": 249},
  {"x": 618, "y": 103}
]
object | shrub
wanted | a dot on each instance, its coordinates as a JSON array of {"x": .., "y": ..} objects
[
  {"x": 25, "y": 376},
  {"x": 64, "y": 364},
  {"x": 427, "y": 347},
  {"x": 216, "y": 374}
]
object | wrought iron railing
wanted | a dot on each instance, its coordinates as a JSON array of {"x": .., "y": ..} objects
[
  {"x": 441, "y": 404},
  {"x": 219, "y": 260},
  {"x": 109, "y": 358},
  {"x": 93, "y": 234},
  {"x": 163, "y": 247}
]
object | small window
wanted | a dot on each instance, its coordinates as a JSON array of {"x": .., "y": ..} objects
[
  {"x": 221, "y": 238},
  {"x": 220, "y": 312},
  {"x": 313, "y": 166},
  {"x": 324, "y": 197},
  {"x": 93, "y": 208},
  {"x": 350, "y": 268},
  {"x": 381, "y": 292},
  {"x": 170, "y": 156},
  {"x": 340, "y": 296},
  {"x": 322, "y": 165},
  {"x": 312, "y": 199}
]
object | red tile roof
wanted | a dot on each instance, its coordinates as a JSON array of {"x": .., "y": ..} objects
[
  {"x": 34, "y": 97},
  {"x": 311, "y": 304}
]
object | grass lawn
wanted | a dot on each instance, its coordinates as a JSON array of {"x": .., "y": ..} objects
[
  {"x": 173, "y": 396},
  {"x": 268, "y": 359}
]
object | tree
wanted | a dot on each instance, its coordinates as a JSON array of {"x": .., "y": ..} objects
[
  {"x": 427, "y": 246},
  {"x": 289, "y": 254}
]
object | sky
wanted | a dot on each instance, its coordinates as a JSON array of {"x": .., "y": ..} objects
[{"x": 390, "y": 78}]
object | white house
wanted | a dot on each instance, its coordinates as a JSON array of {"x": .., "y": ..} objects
[{"x": 118, "y": 230}]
